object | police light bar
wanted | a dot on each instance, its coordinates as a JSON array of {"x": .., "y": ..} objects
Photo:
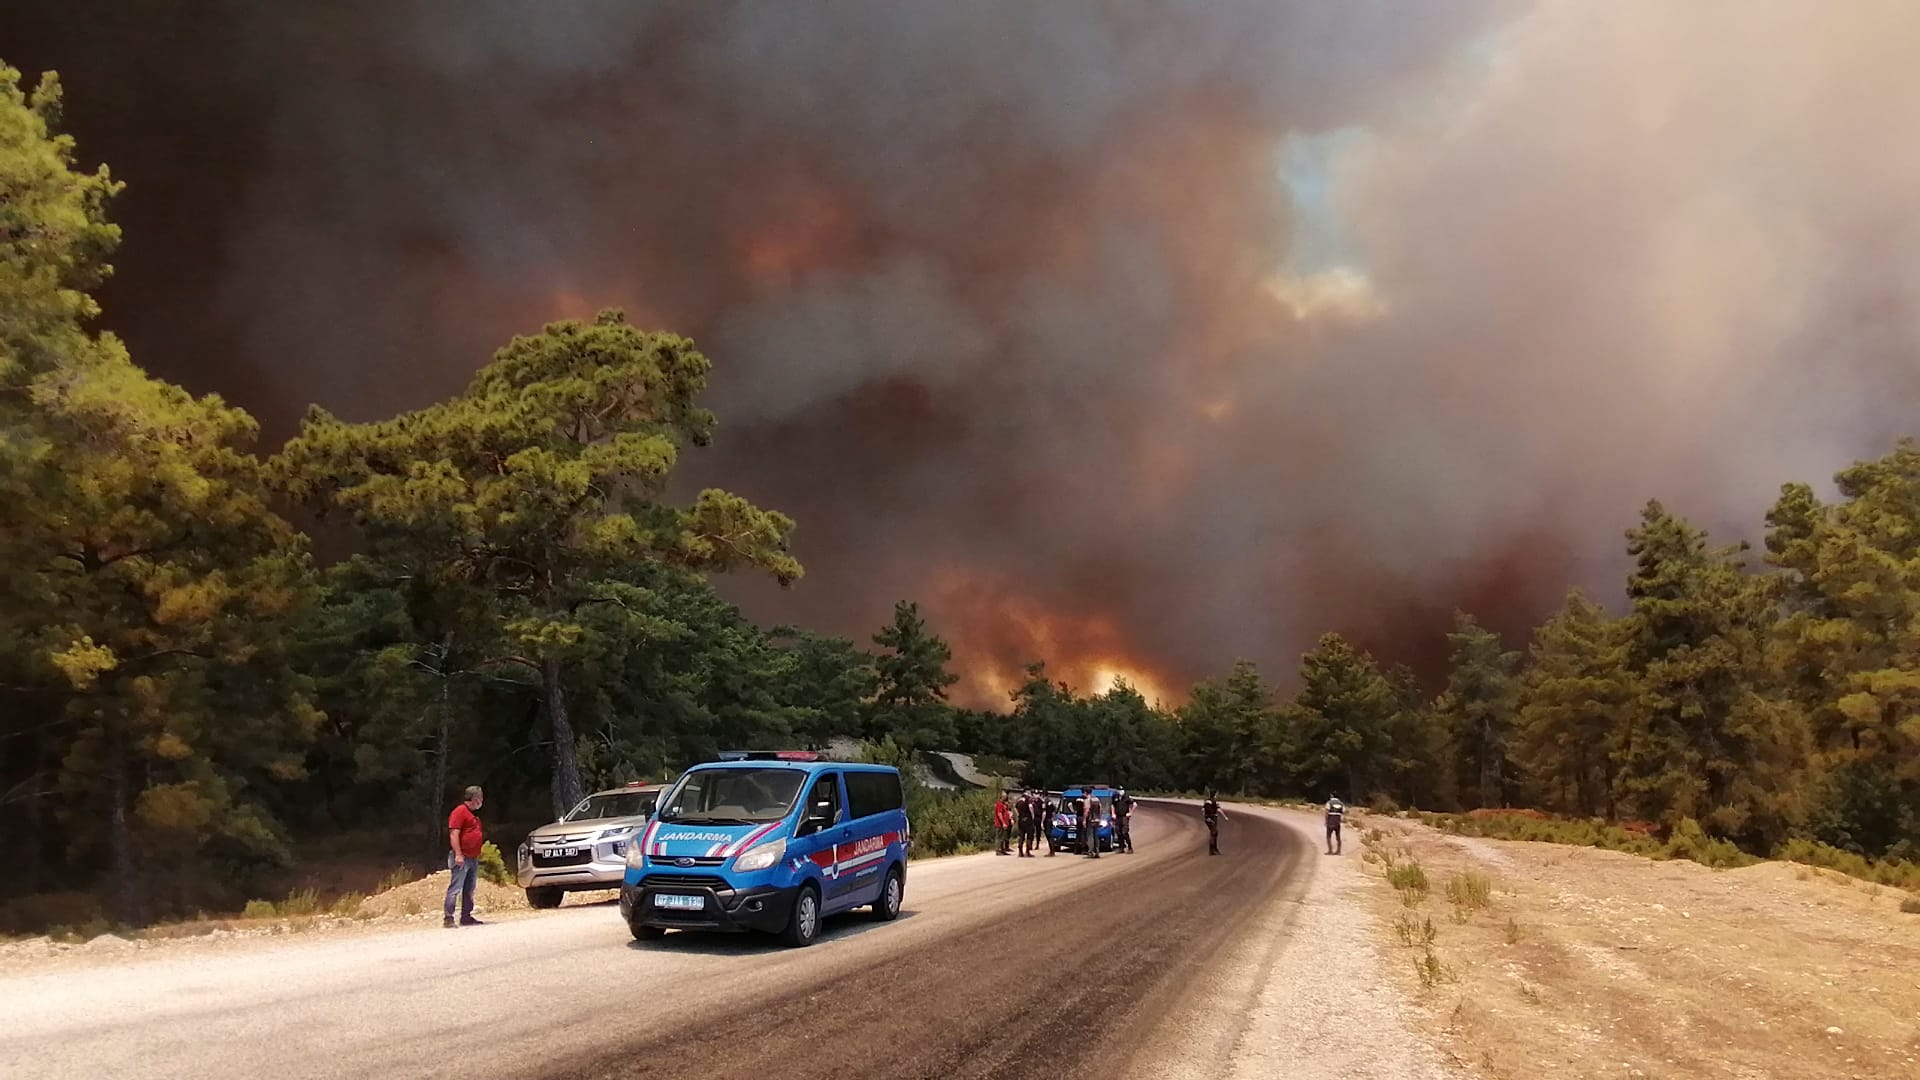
[{"x": 769, "y": 755}]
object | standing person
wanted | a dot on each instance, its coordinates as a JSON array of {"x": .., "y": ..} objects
[
  {"x": 1210, "y": 810},
  {"x": 1023, "y": 811},
  {"x": 1003, "y": 823},
  {"x": 1048, "y": 808},
  {"x": 463, "y": 857},
  {"x": 1335, "y": 811},
  {"x": 1090, "y": 823},
  {"x": 1123, "y": 822}
]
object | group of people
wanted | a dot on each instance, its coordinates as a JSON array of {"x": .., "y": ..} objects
[{"x": 1029, "y": 816}]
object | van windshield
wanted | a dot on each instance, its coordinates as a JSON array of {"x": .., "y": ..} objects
[{"x": 732, "y": 796}]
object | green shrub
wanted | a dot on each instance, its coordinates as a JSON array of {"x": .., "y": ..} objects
[
  {"x": 1896, "y": 872},
  {"x": 43, "y": 912},
  {"x": 1911, "y": 905},
  {"x": 1414, "y": 934},
  {"x": 300, "y": 902},
  {"x": 401, "y": 875},
  {"x": 1470, "y": 891},
  {"x": 347, "y": 905},
  {"x": 1410, "y": 879},
  {"x": 260, "y": 909},
  {"x": 492, "y": 867},
  {"x": 1690, "y": 841},
  {"x": 1382, "y": 803}
]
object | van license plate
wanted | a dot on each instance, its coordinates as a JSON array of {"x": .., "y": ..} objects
[{"x": 679, "y": 903}]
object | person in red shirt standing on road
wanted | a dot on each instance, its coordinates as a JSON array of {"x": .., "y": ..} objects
[
  {"x": 464, "y": 838},
  {"x": 1003, "y": 822}
]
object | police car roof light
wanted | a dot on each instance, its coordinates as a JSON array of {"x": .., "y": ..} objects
[{"x": 770, "y": 755}]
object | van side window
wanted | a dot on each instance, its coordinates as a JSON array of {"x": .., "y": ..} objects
[
  {"x": 871, "y": 793},
  {"x": 826, "y": 790}
]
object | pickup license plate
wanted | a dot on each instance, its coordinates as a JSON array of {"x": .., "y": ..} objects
[
  {"x": 561, "y": 852},
  {"x": 679, "y": 903}
]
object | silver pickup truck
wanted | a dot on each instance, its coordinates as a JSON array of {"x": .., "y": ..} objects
[{"x": 586, "y": 849}]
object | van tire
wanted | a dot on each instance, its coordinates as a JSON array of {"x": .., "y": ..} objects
[
  {"x": 892, "y": 894},
  {"x": 545, "y": 896},
  {"x": 803, "y": 925},
  {"x": 646, "y": 933}
]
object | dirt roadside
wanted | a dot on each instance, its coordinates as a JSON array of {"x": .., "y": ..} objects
[{"x": 1588, "y": 963}]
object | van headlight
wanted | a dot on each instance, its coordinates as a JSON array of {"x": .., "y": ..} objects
[
  {"x": 759, "y": 858},
  {"x": 636, "y": 856}
]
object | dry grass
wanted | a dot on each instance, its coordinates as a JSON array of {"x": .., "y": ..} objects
[{"x": 1604, "y": 964}]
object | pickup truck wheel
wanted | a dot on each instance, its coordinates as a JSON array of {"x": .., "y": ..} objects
[{"x": 545, "y": 896}]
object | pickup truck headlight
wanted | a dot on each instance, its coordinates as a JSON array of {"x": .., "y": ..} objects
[{"x": 759, "y": 858}]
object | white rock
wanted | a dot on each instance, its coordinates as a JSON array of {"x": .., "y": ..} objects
[{"x": 1833, "y": 1031}]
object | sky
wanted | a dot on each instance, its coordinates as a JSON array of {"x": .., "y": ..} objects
[{"x": 1135, "y": 336}]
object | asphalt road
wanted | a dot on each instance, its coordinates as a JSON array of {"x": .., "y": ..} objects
[{"x": 1057, "y": 967}]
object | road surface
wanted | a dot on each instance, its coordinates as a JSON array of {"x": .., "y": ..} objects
[{"x": 1005, "y": 967}]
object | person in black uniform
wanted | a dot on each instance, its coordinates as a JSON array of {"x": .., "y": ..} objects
[
  {"x": 1090, "y": 824},
  {"x": 1211, "y": 812},
  {"x": 1023, "y": 812},
  {"x": 1047, "y": 809},
  {"x": 1123, "y": 822}
]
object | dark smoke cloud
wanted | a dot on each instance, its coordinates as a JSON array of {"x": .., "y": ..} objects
[{"x": 1001, "y": 295}]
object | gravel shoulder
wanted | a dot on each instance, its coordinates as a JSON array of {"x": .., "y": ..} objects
[
  {"x": 1302, "y": 992},
  {"x": 1589, "y": 963}
]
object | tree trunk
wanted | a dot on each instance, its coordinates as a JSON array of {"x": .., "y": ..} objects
[
  {"x": 436, "y": 813},
  {"x": 566, "y": 759},
  {"x": 123, "y": 891},
  {"x": 33, "y": 845}
]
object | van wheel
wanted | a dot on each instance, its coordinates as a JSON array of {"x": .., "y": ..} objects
[
  {"x": 887, "y": 908},
  {"x": 804, "y": 924},
  {"x": 647, "y": 933},
  {"x": 545, "y": 896}
]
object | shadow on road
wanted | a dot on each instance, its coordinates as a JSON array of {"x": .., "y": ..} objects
[{"x": 847, "y": 925}]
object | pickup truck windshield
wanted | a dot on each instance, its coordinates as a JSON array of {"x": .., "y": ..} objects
[
  {"x": 732, "y": 796},
  {"x": 623, "y": 804}
]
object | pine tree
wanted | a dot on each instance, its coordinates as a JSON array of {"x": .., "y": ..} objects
[
  {"x": 1477, "y": 707},
  {"x": 1337, "y": 728},
  {"x": 1230, "y": 731},
  {"x": 532, "y": 490},
  {"x": 910, "y": 700},
  {"x": 1709, "y": 744},
  {"x": 1574, "y": 700}
]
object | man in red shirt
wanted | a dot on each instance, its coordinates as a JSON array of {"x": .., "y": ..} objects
[
  {"x": 464, "y": 838},
  {"x": 1003, "y": 823}
]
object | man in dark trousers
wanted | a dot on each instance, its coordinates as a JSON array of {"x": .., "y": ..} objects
[
  {"x": 464, "y": 839},
  {"x": 1335, "y": 811},
  {"x": 1048, "y": 808},
  {"x": 1023, "y": 814},
  {"x": 1003, "y": 823},
  {"x": 1090, "y": 823},
  {"x": 1211, "y": 812},
  {"x": 1123, "y": 822}
]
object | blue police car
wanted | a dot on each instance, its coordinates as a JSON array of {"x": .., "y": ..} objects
[
  {"x": 1066, "y": 830},
  {"x": 771, "y": 841}
]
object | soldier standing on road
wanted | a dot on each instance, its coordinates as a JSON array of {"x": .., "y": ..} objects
[
  {"x": 1210, "y": 810},
  {"x": 1003, "y": 823},
  {"x": 1023, "y": 810},
  {"x": 1123, "y": 822},
  {"x": 1048, "y": 808},
  {"x": 1335, "y": 811},
  {"x": 463, "y": 857},
  {"x": 1090, "y": 824}
]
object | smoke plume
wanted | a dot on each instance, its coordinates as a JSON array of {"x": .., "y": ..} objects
[{"x": 1138, "y": 336}]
